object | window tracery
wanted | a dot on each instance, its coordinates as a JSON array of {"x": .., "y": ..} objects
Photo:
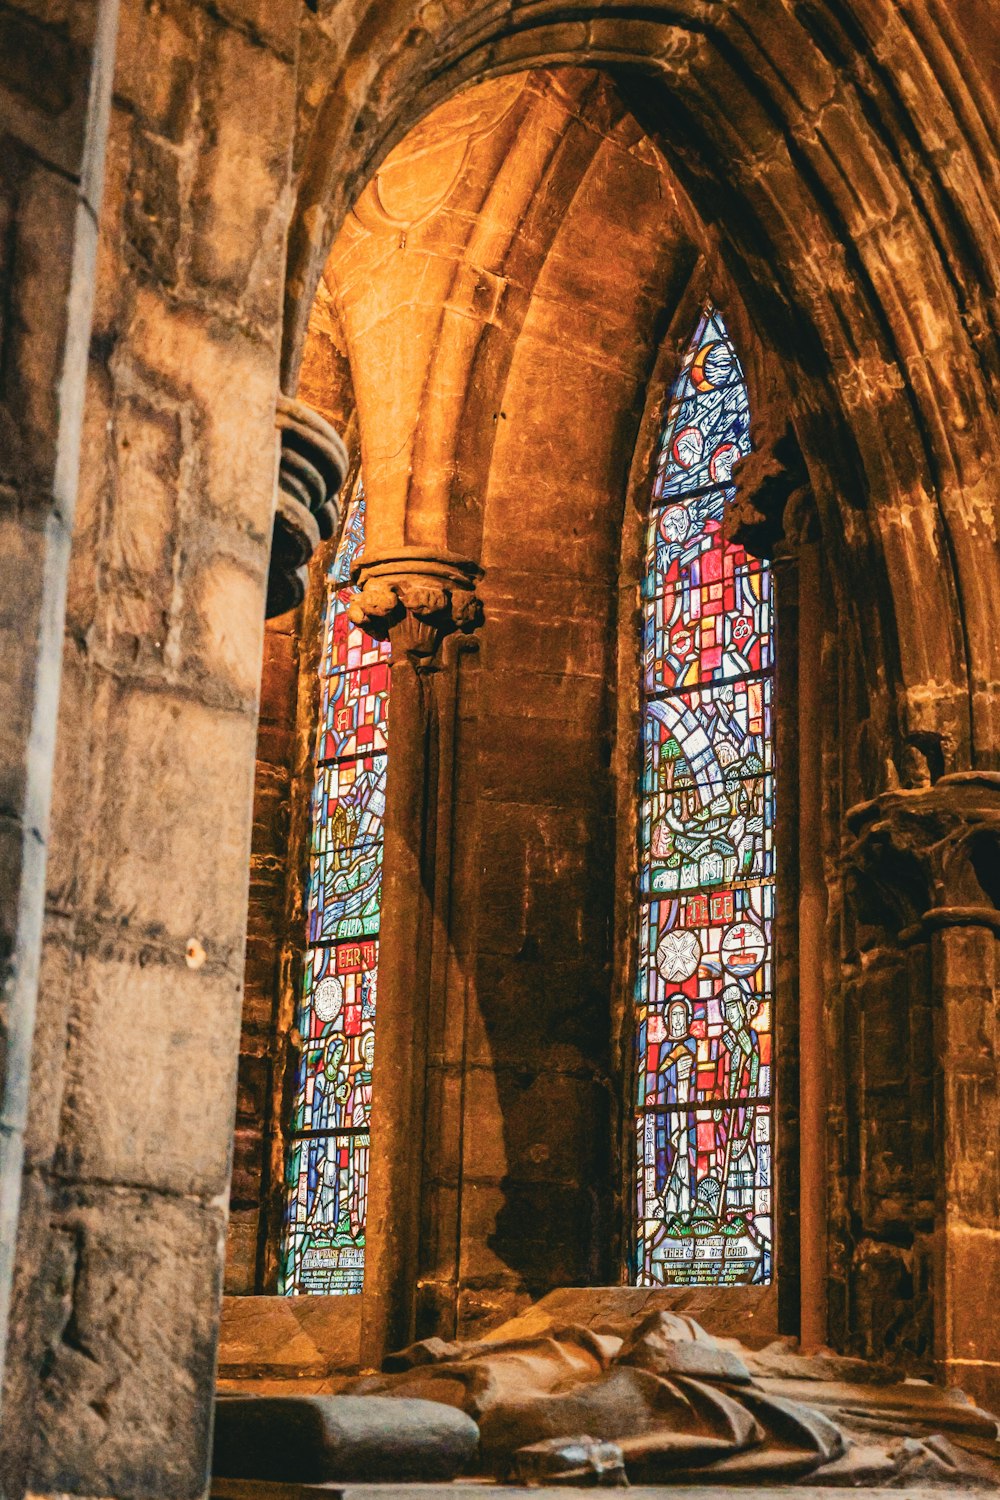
[{"x": 704, "y": 987}]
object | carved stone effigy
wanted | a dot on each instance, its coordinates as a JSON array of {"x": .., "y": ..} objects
[
  {"x": 682, "y": 1407},
  {"x": 647, "y": 1398}
]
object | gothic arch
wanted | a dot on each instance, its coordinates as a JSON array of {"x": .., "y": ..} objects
[{"x": 838, "y": 163}]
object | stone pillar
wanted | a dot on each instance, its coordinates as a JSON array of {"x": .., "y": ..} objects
[
  {"x": 812, "y": 1057},
  {"x": 944, "y": 842},
  {"x": 427, "y": 603},
  {"x": 312, "y": 468},
  {"x": 55, "y": 94},
  {"x": 130, "y": 1126}
]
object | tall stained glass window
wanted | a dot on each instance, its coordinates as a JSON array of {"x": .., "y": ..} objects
[
  {"x": 327, "y": 1176},
  {"x": 706, "y": 861}
]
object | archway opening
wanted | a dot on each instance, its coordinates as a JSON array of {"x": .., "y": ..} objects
[{"x": 497, "y": 381}]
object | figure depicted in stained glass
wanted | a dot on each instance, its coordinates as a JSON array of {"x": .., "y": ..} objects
[
  {"x": 706, "y": 850},
  {"x": 676, "y": 1059},
  {"x": 328, "y": 1162}
]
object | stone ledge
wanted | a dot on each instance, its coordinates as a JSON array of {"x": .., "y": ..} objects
[
  {"x": 745, "y": 1313},
  {"x": 288, "y": 1338}
]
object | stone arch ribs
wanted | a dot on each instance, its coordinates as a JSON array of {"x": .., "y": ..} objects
[
  {"x": 844, "y": 162},
  {"x": 427, "y": 448},
  {"x": 523, "y": 211}
]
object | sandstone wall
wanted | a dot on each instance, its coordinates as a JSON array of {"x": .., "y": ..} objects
[
  {"x": 130, "y": 1130},
  {"x": 845, "y": 160}
]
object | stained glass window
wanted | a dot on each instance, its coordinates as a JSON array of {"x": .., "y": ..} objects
[
  {"x": 704, "y": 982},
  {"x": 327, "y": 1175}
]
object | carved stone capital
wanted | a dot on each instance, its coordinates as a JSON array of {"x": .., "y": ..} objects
[
  {"x": 312, "y": 468},
  {"x": 772, "y": 511},
  {"x": 419, "y": 594},
  {"x": 928, "y": 858}
]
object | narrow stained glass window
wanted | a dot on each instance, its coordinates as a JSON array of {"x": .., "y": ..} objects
[
  {"x": 706, "y": 859},
  {"x": 327, "y": 1174}
]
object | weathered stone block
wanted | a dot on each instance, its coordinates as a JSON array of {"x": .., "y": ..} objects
[
  {"x": 271, "y": 22},
  {"x": 138, "y": 575},
  {"x": 48, "y": 1052},
  {"x": 279, "y": 675},
  {"x": 248, "y": 1146},
  {"x": 543, "y": 762},
  {"x": 45, "y": 49},
  {"x": 38, "y": 63},
  {"x": 156, "y": 65},
  {"x": 548, "y": 626},
  {"x": 972, "y": 1271},
  {"x": 545, "y": 1231},
  {"x": 242, "y": 1235},
  {"x": 131, "y": 1287},
  {"x": 225, "y": 624},
  {"x": 182, "y": 873},
  {"x": 288, "y": 1336},
  {"x": 525, "y": 1008},
  {"x": 29, "y": 641},
  {"x": 312, "y": 1439},
  {"x": 153, "y": 208},
  {"x": 276, "y": 744},
  {"x": 247, "y": 105},
  {"x": 40, "y": 332},
  {"x": 151, "y": 1088},
  {"x": 535, "y": 1128},
  {"x": 228, "y": 383},
  {"x": 549, "y": 887}
]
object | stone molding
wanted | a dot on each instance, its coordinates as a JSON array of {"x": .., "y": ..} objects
[
  {"x": 420, "y": 594},
  {"x": 312, "y": 468},
  {"x": 939, "y": 845},
  {"x": 773, "y": 511}
]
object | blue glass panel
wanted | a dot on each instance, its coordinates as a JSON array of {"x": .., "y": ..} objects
[
  {"x": 704, "y": 987},
  {"x": 327, "y": 1171},
  {"x": 707, "y": 428}
]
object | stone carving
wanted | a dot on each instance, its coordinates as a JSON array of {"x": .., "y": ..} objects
[
  {"x": 312, "y": 469},
  {"x": 430, "y": 594},
  {"x": 773, "y": 493},
  {"x": 931, "y": 853},
  {"x": 679, "y": 1406}
]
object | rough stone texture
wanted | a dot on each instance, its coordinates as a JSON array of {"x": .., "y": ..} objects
[
  {"x": 287, "y": 1338},
  {"x": 316, "y": 1439},
  {"x": 261, "y": 1035},
  {"x": 843, "y": 161},
  {"x": 130, "y": 1129},
  {"x": 54, "y": 94},
  {"x": 131, "y": 1289}
]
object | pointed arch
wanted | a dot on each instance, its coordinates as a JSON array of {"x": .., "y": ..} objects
[
  {"x": 704, "y": 986},
  {"x": 329, "y": 1141}
]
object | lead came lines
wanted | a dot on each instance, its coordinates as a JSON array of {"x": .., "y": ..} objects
[{"x": 704, "y": 984}]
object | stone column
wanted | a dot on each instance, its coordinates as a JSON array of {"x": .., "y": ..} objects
[
  {"x": 943, "y": 842},
  {"x": 55, "y": 94},
  {"x": 427, "y": 603},
  {"x": 110, "y": 1372},
  {"x": 312, "y": 468}
]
